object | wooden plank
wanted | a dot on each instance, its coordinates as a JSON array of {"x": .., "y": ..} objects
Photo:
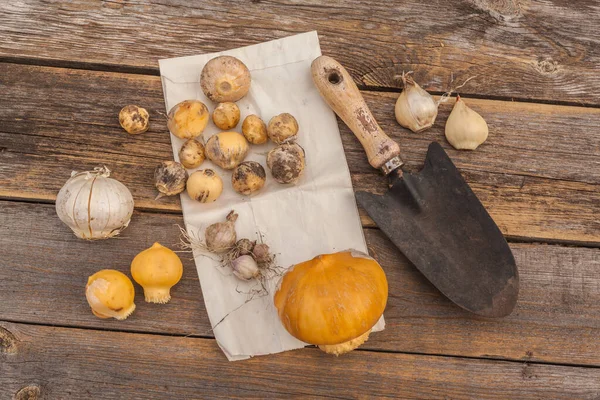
[
  {"x": 535, "y": 50},
  {"x": 74, "y": 363},
  {"x": 537, "y": 182},
  {"x": 44, "y": 268}
]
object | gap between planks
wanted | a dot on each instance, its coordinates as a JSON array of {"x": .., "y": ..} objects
[
  {"x": 172, "y": 211},
  {"x": 135, "y": 70},
  {"x": 385, "y": 351}
]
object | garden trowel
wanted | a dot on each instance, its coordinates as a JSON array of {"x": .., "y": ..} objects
[{"x": 432, "y": 216}]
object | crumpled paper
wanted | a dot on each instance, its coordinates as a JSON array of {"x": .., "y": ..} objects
[{"x": 316, "y": 216}]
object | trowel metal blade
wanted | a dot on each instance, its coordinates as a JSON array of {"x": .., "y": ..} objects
[{"x": 436, "y": 220}]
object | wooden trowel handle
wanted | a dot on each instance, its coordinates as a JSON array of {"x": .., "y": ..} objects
[{"x": 341, "y": 94}]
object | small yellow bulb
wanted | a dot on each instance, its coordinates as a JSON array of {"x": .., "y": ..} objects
[
  {"x": 157, "y": 270},
  {"x": 110, "y": 294}
]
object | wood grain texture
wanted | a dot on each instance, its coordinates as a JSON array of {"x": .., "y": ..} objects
[
  {"x": 538, "y": 174},
  {"x": 74, "y": 363},
  {"x": 517, "y": 48},
  {"x": 44, "y": 268}
]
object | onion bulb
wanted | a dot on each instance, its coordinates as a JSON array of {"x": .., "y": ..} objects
[
  {"x": 110, "y": 294},
  {"x": 415, "y": 108},
  {"x": 465, "y": 128},
  {"x": 221, "y": 236},
  {"x": 93, "y": 205},
  {"x": 227, "y": 149},
  {"x": 333, "y": 300}
]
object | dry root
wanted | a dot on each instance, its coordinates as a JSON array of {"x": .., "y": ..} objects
[
  {"x": 193, "y": 242},
  {"x": 444, "y": 98}
]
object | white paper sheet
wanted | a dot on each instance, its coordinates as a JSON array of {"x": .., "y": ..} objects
[{"x": 316, "y": 216}]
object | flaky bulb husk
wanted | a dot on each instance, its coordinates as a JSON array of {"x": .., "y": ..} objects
[
  {"x": 465, "y": 128},
  {"x": 93, "y": 205},
  {"x": 261, "y": 253},
  {"x": 221, "y": 236},
  {"x": 415, "y": 108},
  {"x": 245, "y": 246}
]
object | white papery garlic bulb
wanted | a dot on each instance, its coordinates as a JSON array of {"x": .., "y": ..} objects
[
  {"x": 415, "y": 108},
  {"x": 93, "y": 205}
]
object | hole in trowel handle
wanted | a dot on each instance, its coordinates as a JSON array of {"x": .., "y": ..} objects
[{"x": 334, "y": 77}]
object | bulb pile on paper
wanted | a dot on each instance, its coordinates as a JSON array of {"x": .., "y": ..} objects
[{"x": 264, "y": 186}]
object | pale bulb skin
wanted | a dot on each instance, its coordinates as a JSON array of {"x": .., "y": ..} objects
[
  {"x": 110, "y": 294},
  {"x": 415, "y": 108},
  {"x": 465, "y": 128},
  {"x": 225, "y": 78},
  {"x": 93, "y": 205},
  {"x": 157, "y": 269}
]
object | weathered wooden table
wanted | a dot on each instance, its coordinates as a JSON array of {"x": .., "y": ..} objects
[{"x": 66, "y": 68}]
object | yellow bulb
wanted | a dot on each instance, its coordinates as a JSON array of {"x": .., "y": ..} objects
[
  {"x": 110, "y": 294},
  {"x": 157, "y": 270}
]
